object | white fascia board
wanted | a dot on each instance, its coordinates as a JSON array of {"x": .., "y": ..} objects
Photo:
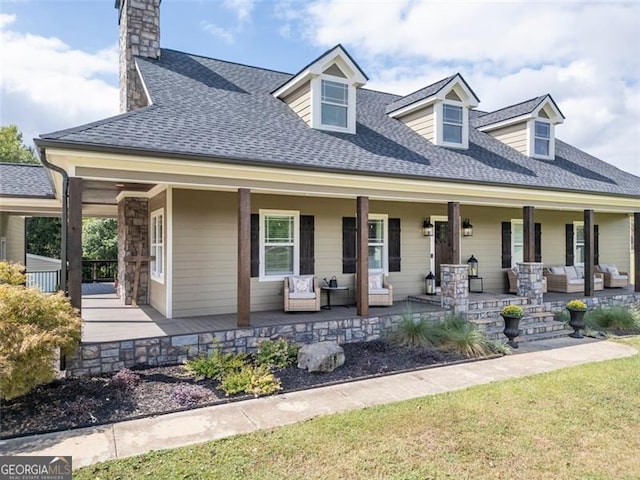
[
  {"x": 293, "y": 84},
  {"x": 137, "y": 194},
  {"x": 469, "y": 101},
  {"x": 505, "y": 123},
  {"x": 414, "y": 106},
  {"x": 557, "y": 116},
  {"x": 354, "y": 75}
]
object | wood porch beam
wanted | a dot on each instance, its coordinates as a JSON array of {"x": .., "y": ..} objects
[
  {"x": 453, "y": 214},
  {"x": 244, "y": 258},
  {"x": 636, "y": 249},
  {"x": 74, "y": 242},
  {"x": 362, "y": 256},
  {"x": 589, "y": 253},
  {"x": 528, "y": 232}
]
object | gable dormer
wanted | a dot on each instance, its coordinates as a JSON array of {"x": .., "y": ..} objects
[
  {"x": 323, "y": 93},
  {"x": 438, "y": 112},
  {"x": 528, "y": 127}
]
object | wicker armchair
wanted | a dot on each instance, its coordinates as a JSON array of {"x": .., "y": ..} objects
[
  {"x": 380, "y": 291},
  {"x": 612, "y": 277},
  {"x": 301, "y": 301}
]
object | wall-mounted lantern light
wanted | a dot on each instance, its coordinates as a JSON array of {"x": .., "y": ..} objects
[
  {"x": 467, "y": 228},
  {"x": 427, "y": 228}
]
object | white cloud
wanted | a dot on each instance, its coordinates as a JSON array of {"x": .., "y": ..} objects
[
  {"x": 587, "y": 55},
  {"x": 47, "y": 86},
  {"x": 223, "y": 34},
  {"x": 242, "y": 9}
]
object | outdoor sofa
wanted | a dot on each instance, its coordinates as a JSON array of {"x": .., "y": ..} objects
[
  {"x": 570, "y": 279},
  {"x": 612, "y": 277},
  {"x": 301, "y": 294}
]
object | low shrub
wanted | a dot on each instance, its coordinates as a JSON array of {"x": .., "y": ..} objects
[
  {"x": 190, "y": 395},
  {"x": 463, "y": 337},
  {"x": 217, "y": 365},
  {"x": 12, "y": 273},
  {"x": 276, "y": 353},
  {"x": 256, "y": 380},
  {"x": 33, "y": 325},
  {"x": 412, "y": 333},
  {"x": 614, "y": 319},
  {"x": 125, "y": 378}
]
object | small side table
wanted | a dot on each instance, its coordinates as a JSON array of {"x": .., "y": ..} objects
[
  {"x": 481, "y": 285},
  {"x": 329, "y": 290}
]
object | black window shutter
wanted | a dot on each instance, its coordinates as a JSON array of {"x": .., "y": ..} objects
[
  {"x": 538, "y": 242},
  {"x": 596, "y": 246},
  {"x": 506, "y": 244},
  {"x": 255, "y": 245},
  {"x": 348, "y": 245},
  {"x": 307, "y": 234},
  {"x": 568, "y": 244},
  {"x": 394, "y": 245}
]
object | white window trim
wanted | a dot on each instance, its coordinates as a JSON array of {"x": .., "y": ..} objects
[
  {"x": 296, "y": 243},
  {"x": 153, "y": 244},
  {"x": 531, "y": 139},
  {"x": 3, "y": 248},
  {"x": 316, "y": 104},
  {"x": 439, "y": 124},
  {"x": 516, "y": 221},
  {"x": 385, "y": 243},
  {"x": 575, "y": 243}
]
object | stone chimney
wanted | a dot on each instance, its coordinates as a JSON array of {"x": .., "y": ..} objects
[{"x": 139, "y": 36}]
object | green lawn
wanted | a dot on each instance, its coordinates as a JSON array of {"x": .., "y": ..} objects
[{"x": 578, "y": 423}]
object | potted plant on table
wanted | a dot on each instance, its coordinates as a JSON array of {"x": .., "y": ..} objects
[
  {"x": 577, "y": 309},
  {"x": 512, "y": 315}
]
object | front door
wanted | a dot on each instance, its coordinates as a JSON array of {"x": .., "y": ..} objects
[{"x": 442, "y": 247}]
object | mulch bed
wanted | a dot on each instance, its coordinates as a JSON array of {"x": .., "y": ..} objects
[{"x": 74, "y": 403}]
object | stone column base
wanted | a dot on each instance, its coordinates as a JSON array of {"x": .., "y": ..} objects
[
  {"x": 530, "y": 282},
  {"x": 454, "y": 285}
]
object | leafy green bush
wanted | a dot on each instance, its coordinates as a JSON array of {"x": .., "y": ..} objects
[
  {"x": 255, "y": 380},
  {"x": 12, "y": 273},
  {"x": 276, "y": 353},
  {"x": 614, "y": 318},
  {"x": 217, "y": 365},
  {"x": 33, "y": 325},
  {"x": 463, "y": 337}
]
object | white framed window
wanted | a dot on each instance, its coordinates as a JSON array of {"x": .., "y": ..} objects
[
  {"x": 334, "y": 104},
  {"x": 517, "y": 242},
  {"x": 578, "y": 243},
  {"x": 3, "y": 248},
  {"x": 157, "y": 245},
  {"x": 279, "y": 244},
  {"x": 452, "y": 123},
  {"x": 378, "y": 243},
  {"x": 542, "y": 138}
]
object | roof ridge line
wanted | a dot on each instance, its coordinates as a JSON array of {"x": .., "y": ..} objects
[{"x": 515, "y": 104}]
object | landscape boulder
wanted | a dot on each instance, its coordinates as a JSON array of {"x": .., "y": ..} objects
[{"x": 321, "y": 357}]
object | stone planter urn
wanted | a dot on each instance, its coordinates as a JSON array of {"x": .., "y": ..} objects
[
  {"x": 511, "y": 314},
  {"x": 511, "y": 329},
  {"x": 576, "y": 309}
]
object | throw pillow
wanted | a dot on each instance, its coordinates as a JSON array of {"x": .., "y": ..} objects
[
  {"x": 580, "y": 271},
  {"x": 301, "y": 285},
  {"x": 571, "y": 272},
  {"x": 375, "y": 281},
  {"x": 557, "y": 270},
  {"x": 614, "y": 271}
]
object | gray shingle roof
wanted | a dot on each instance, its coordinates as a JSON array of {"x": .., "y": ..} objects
[
  {"x": 212, "y": 109},
  {"x": 418, "y": 95},
  {"x": 25, "y": 180},
  {"x": 512, "y": 111}
]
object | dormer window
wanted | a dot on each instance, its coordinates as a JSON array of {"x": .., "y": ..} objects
[
  {"x": 452, "y": 124},
  {"x": 334, "y": 104},
  {"x": 542, "y": 138}
]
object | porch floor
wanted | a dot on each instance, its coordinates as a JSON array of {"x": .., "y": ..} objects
[{"x": 106, "y": 319}]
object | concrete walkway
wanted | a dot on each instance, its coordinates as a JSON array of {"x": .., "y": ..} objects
[{"x": 95, "y": 444}]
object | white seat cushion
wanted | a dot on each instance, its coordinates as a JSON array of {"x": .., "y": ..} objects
[
  {"x": 302, "y": 295},
  {"x": 576, "y": 281},
  {"x": 378, "y": 291},
  {"x": 620, "y": 277}
]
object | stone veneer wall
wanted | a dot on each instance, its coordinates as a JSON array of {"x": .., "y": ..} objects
[
  {"x": 454, "y": 287},
  {"x": 98, "y": 358},
  {"x": 139, "y": 36},
  {"x": 530, "y": 282},
  {"x": 133, "y": 229}
]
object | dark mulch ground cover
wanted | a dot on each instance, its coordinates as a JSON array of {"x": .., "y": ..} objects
[{"x": 74, "y": 403}]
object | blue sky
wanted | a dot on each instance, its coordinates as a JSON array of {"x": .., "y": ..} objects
[{"x": 59, "y": 58}]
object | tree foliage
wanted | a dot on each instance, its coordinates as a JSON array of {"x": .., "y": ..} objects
[
  {"x": 44, "y": 236},
  {"x": 12, "y": 149},
  {"x": 100, "y": 239}
]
